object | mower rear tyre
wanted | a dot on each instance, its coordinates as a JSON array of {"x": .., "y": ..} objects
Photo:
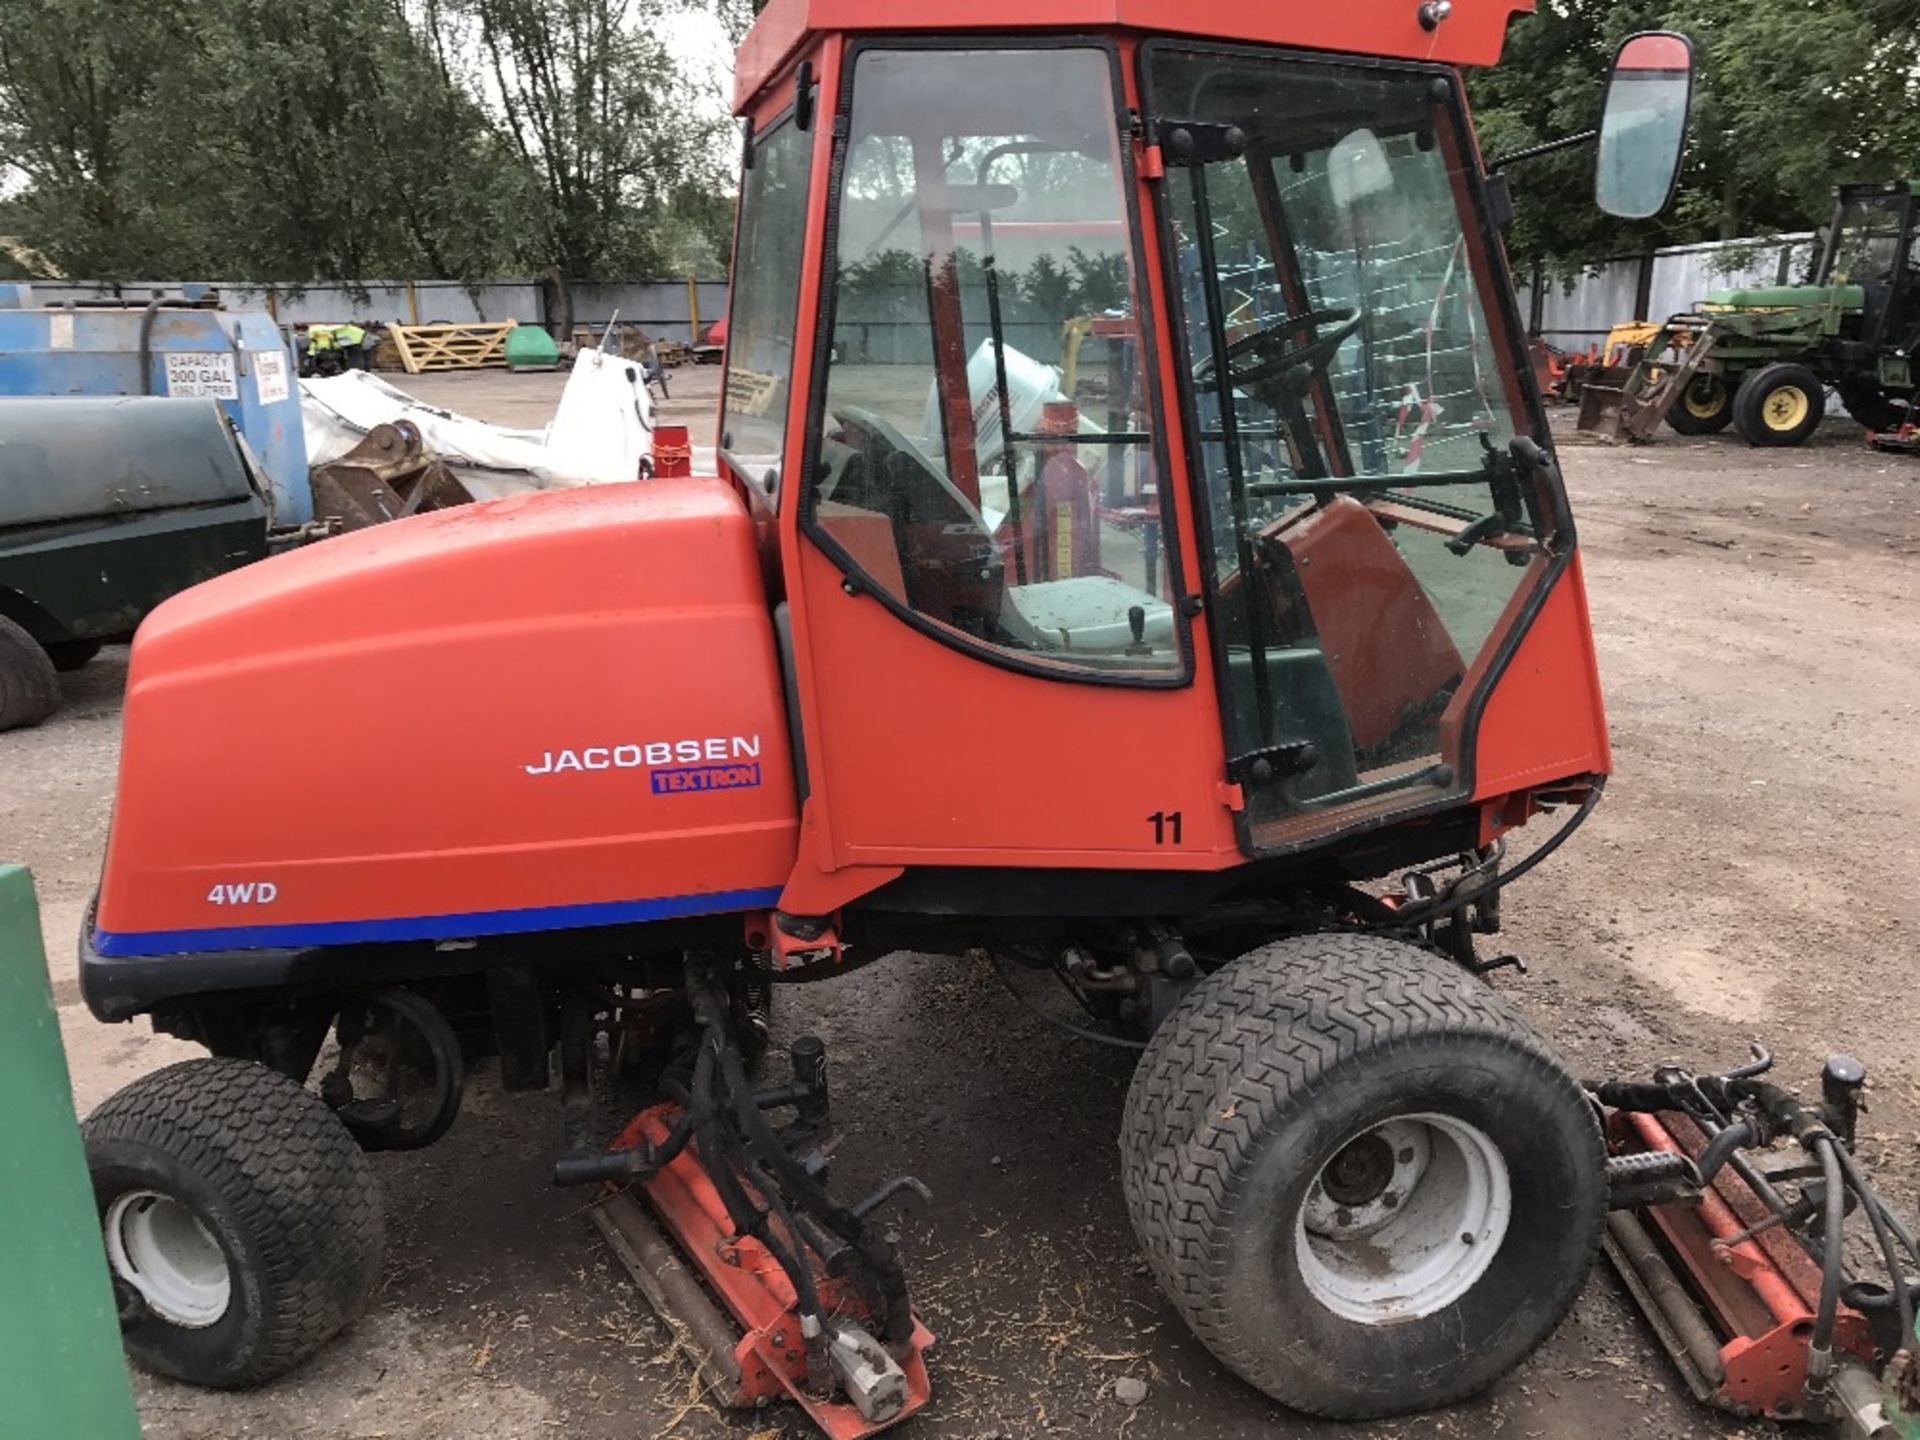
[
  {"x": 1779, "y": 404},
  {"x": 1367, "y": 1185},
  {"x": 29, "y": 689},
  {"x": 1705, "y": 407},
  {"x": 242, "y": 1223}
]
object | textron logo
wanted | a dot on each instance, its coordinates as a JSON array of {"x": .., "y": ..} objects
[{"x": 718, "y": 762}]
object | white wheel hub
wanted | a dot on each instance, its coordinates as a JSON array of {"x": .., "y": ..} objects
[
  {"x": 163, "y": 1250},
  {"x": 1404, "y": 1219}
]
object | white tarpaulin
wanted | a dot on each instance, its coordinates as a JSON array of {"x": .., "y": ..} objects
[{"x": 601, "y": 429}]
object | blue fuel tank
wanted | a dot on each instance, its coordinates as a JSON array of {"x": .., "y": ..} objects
[{"x": 176, "y": 346}]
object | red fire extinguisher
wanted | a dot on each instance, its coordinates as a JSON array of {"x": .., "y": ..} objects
[{"x": 1066, "y": 540}]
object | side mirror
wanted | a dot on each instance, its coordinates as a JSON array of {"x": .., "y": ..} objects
[{"x": 1643, "y": 129}]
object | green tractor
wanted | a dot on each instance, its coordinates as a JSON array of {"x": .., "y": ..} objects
[{"x": 1763, "y": 359}]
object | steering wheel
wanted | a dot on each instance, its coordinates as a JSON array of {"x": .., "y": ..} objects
[{"x": 1271, "y": 351}]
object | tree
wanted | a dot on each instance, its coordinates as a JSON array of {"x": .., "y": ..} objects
[
  {"x": 596, "y": 107},
  {"x": 1791, "y": 98},
  {"x": 245, "y": 141},
  {"x": 74, "y": 79},
  {"x": 339, "y": 137}
]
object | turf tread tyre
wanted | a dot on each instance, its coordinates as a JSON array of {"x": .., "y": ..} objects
[
  {"x": 29, "y": 688},
  {"x": 277, "y": 1179},
  {"x": 1246, "y": 1052},
  {"x": 1749, "y": 404}
]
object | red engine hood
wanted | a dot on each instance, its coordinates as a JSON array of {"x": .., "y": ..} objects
[{"x": 549, "y": 710}]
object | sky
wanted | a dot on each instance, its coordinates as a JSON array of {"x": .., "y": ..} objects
[{"x": 702, "y": 41}]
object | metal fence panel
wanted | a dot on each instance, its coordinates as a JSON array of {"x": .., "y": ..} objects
[
  {"x": 660, "y": 307},
  {"x": 1682, "y": 275}
]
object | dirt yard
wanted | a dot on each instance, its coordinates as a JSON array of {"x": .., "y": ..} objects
[{"x": 1746, "y": 877}]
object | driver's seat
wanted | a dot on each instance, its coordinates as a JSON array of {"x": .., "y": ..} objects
[{"x": 1390, "y": 653}]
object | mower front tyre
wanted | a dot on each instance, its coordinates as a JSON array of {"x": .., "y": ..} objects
[
  {"x": 242, "y": 1223},
  {"x": 1367, "y": 1185}
]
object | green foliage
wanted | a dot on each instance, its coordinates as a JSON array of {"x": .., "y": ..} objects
[
  {"x": 258, "y": 140},
  {"x": 1792, "y": 97},
  {"x": 255, "y": 140}
]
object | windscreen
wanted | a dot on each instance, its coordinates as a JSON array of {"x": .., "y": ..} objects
[{"x": 1866, "y": 248}]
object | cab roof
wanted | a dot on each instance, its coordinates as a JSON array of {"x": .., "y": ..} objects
[{"x": 1470, "y": 35}]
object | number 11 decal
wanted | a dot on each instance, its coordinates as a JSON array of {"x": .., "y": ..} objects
[{"x": 1166, "y": 826}]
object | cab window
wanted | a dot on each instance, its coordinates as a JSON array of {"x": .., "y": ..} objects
[
  {"x": 765, "y": 307},
  {"x": 987, "y": 451}
]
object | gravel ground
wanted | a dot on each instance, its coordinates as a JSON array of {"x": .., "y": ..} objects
[{"x": 1746, "y": 877}]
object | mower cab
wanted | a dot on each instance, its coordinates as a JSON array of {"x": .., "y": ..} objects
[
  {"x": 1130, "y": 480},
  {"x": 1136, "y": 537}
]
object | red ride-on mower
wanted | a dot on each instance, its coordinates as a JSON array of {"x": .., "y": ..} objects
[{"x": 1149, "y": 670}]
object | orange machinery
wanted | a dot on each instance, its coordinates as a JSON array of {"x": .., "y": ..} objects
[{"x": 1212, "y": 680}]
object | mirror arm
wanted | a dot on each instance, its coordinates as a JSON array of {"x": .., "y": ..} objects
[{"x": 1566, "y": 142}]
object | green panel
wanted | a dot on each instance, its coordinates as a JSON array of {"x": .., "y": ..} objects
[
  {"x": 1776, "y": 297},
  {"x": 61, "y": 1370}
]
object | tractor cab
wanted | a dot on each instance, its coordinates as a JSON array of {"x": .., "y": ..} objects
[
  {"x": 1152, "y": 386},
  {"x": 1870, "y": 246}
]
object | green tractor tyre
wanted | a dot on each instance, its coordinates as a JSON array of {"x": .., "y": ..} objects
[
  {"x": 1705, "y": 407},
  {"x": 1779, "y": 404},
  {"x": 1871, "y": 406}
]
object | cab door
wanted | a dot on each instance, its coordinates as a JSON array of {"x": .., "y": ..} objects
[
  {"x": 1376, "y": 545},
  {"x": 994, "y": 645}
]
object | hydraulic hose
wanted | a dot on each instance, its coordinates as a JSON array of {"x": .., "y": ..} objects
[
  {"x": 1411, "y": 916},
  {"x": 748, "y": 1218},
  {"x": 1831, "y": 1245},
  {"x": 1721, "y": 1147},
  {"x": 1079, "y": 1032},
  {"x": 641, "y": 1161},
  {"x": 1878, "y": 1217}
]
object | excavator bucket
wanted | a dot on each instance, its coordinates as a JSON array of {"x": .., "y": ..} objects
[
  {"x": 389, "y": 475},
  {"x": 1633, "y": 410}
]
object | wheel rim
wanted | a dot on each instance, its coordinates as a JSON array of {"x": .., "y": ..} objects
[
  {"x": 1705, "y": 398},
  {"x": 1786, "y": 407},
  {"x": 162, "y": 1249},
  {"x": 1404, "y": 1219}
]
